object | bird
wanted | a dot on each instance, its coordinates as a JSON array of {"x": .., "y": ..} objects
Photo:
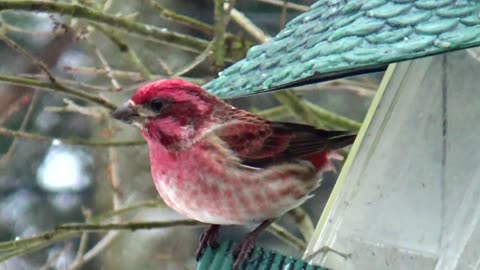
[{"x": 221, "y": 165}]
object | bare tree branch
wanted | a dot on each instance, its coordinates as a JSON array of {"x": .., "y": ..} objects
[
  {"x": 136, "y": 76},
  {"x": 198, "y": 60},
  {"x": 249, "y": 26},
  {"x": 12, "y": 44},
  {"x": 106, "y": 66},
  {"x": 23, "y": 126},
  {"x": 219, "y": 39},
  {"x": 79, "y": 11},
  {"x": 58, "y": 88},
  {"x": 133, "y": 226},
  {"x": 73, "y": 83},
  {"x": 48, "y": 264},
  {"x": 284, "y": 235},
  {"x": 185, "y": 20},
  {"x": 132, "y": 56},
  {"x": 40, "y": 138},
  {"x": 98, "y": 248}
]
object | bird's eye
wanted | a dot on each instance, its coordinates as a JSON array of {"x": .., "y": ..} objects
[{"x": 156, "y": 105}]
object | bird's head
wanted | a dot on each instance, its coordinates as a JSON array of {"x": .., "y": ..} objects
[{"x": 169, "y": 111}]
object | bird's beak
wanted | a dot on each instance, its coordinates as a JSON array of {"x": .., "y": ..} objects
[{"x": 126, "y": 113}]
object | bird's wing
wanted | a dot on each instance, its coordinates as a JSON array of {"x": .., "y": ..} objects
[{"x": 259, "y": 142}]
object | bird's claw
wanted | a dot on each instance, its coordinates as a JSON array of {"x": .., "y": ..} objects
[
  {"x": 242, "y": 251},
  {"x": 208, "y": 238}
]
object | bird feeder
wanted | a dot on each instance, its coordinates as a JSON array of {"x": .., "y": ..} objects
[{"x": 409, "y": 195}]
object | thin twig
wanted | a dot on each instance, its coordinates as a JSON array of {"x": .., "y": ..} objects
[
  {"x": 303, "y": 221},
  {"x": 24, "y": 246},
  {"x": 333, "y": 119},
  {"x": 8, "y": 28},
  {"x": 219, "y": 38},
  {"x": 89, "y": 3},
  {"x": 474, "y": 53},
  {"x": 132, "y": 75},
  {"x": 192, "y": 64},
  {"x": 52, "y": 235},
  {"x": 313, "y": 114},
  {"x": 69, "y": 230},
  {"x": 288, "y": 238},
  {"x": 31, "y": 247},
  {"x": 112, "y": 173},
  {"x": 34, "y": 60},
  {"x": 133, "y": 226},
  {"x": 106, "y": 66},
  {"x": 90, "y": 254},
  {"x": 194, "y": 23},
  {"x": 20, "y": 251},
  {"x": 23, "y": 126},
  {"x": 274, "y": 113},
  {"x": 99, "y": 247},
  {"x": 53, "y": 87},
  {"x": 131, "y": 16},
  {"x": 132, "y": 56},
  {"x": 356, "y": 87},
  {"x": 283, "y": 15},
  {"x": 83, "y": 241},
  {"x": 181, "y": 19},
  {"x": 70, "y": 106},
  {"x": 107, "y": 5},
  {"x": 33, "y": 240},
  {"x": 249, "y": 26},
  {"x": 48, "y": 264},
  {"x": 296, "y": 105},
  {"x": 56, "y": 86},
  {"x": 228, "y": 6},
  {"x": 121, "y": 211},
  {"x": 297, "y": 7},
  {"x": 80, "y": 11},
  {"x": 79, "y": 258},
  {"x": 68, "y": 82},
  {"x": 45, "y": 139},
  {"x": 113, "y": 178},
  {"x": 164, "y": 66}
]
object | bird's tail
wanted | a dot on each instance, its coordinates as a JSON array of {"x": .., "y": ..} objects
[{"x": 337, "y": 141}]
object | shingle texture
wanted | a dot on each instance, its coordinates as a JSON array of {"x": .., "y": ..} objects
[
  {"x": 261, "y": 259},
  {"x": 335, "y": 36}
]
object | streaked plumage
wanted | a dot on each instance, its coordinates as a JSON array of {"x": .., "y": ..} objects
[{"x": 217, "y": 164}]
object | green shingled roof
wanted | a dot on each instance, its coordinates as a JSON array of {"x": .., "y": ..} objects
[
  {"x": 336, "y": 38},
  {"x": 261, "y": 259}
]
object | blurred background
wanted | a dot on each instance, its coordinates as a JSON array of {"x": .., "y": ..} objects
[{"x": 64, "y": 176}]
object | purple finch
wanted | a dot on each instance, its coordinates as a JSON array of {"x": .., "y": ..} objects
[{"x": 220, "y": 165}]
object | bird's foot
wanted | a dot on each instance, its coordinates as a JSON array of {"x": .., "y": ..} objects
[
  {"x": 243, "y": 250},
  {"x": 208, "y": 238}
]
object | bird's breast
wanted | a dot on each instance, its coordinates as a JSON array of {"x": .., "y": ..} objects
[{"x": 204, "y": 184}]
